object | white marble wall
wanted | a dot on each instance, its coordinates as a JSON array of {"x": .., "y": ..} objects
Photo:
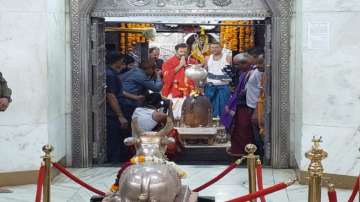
[
  {"x": 58, "y": 66},
  {"x": 33, "y": 60},
  {"x": 329, "y": 86}
]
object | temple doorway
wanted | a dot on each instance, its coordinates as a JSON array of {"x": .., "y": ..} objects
[
  {"x": 89, "y": 44},
  {"x": 201, "y": 145}
]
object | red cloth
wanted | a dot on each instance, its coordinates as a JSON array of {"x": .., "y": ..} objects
[
  {"x": 242, "y": 132},
  {"x": 176, "y": 83},
  {"x": 173, "y": 149}
]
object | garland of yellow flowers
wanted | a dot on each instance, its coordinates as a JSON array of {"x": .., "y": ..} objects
[
  {"x": 123, "y": 39},
  {"x": 239, "y": 37},
  {"x": 236, "y": 38},
  {"x": 128, "y": 40}
]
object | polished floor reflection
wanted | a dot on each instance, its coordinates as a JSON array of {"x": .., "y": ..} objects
[{"x": 232, "y": 185}]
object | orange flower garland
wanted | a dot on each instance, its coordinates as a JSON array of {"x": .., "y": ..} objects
[
  {"x": 128, "y": 40},
  {"x": 237, "y": 35}
]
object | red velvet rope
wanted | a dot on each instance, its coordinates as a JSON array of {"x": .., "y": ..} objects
[
  {"x": 355, "y": 190},
  {"x": 259, "y": 193},
  {"x": 122, "y": 169},
  {"x": 260, "y": 179},
  {"x": 332, "y": 196},
  {"x": 77, "y": 180},
  {"x": 40, "y": 182},
  {"x": 217, "y": 178}
]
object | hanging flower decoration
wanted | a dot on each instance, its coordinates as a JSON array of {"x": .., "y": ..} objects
[
  {"x": 237, "y": 35},
  {"x": 128, "y": 40}
]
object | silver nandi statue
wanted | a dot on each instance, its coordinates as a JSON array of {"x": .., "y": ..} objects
[{"x": 151, "y": 178}]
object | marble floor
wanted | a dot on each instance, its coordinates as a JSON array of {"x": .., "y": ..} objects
[{"x": 233, "y": 185}]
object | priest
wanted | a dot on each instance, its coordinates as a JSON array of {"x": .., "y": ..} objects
[{"x": 176, "y": 85}]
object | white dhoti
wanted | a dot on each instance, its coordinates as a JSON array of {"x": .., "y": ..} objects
[{"x": 177, "y": 107}]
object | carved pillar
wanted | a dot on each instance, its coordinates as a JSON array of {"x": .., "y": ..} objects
[
  {"x": 280, "y": 128},
  {"x": 80, "y": 121}
]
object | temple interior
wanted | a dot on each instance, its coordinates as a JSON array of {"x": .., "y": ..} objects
[{"x": 205, "y": 144}]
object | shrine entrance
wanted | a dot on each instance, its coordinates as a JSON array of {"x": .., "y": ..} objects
[
  {"x": 88, "y": 49},
  {"x": 203, "y": 138}
]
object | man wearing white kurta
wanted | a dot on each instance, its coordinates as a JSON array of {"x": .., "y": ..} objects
[{"x": 253, "y": 88}]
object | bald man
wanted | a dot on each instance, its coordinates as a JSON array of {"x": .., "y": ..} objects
[{"x": 237, "y": 115}]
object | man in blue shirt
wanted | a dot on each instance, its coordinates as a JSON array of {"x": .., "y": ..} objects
[
  {"x": 116, "y": 123},
  {"x": 138, "y": 81}
]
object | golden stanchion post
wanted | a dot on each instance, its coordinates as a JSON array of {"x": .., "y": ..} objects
[
  {"x": 316, "y": 170},
  {"x": 331, "y": 187},
  {"x": 251, "y": 165},
  {"x": 47, "y": 149}
]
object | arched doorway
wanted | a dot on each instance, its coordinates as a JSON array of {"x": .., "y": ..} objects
[{"x": 277, "y": 56}]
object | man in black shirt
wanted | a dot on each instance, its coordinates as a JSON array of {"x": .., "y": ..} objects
[{"x": 116, "y": 122}]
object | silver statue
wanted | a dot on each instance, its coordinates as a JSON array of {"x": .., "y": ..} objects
[{"x": 150, "y": 180}]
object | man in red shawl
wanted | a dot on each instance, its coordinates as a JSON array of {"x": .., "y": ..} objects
[
  {"x": 176, "y": 86},
  {"x": 175, "y": 83}
]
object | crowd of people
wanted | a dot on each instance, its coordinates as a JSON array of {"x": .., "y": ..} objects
[
  {"x": 243, "y": 114},
  {"x": 149, "y": 91}
]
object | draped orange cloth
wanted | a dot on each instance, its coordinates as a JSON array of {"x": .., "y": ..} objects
[
  {"x": 176, "y": 83},
  {"x": 260, "y": 107}
]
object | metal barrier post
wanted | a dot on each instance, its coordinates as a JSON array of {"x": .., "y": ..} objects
[
  {"x": 316, "y": 170},
  {"x": 251, "y": 165},
  {"x": 47, "y": 149}
]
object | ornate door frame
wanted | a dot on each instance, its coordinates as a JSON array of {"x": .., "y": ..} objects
[{"x": 82, "y": 10}]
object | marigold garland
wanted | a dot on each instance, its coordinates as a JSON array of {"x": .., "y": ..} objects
[
  {"x": 128, "y": 40},
  {"x": 237, "y": 35}
]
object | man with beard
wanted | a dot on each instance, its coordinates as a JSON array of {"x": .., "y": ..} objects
[{"x": 176, "y": 85}]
